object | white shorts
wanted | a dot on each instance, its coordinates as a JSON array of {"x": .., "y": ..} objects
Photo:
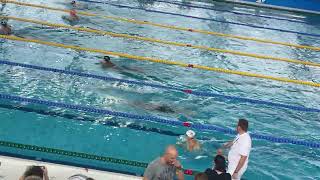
[{"x": 232, "y": 168}]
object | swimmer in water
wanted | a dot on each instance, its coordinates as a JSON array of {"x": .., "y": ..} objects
[
  {"x": 164, "y": 108},
  {"x": 72, "y": 18},
  {"x": 5, "y": 29},
  {"x": 3, "y": 5},
  {"x": 74, "y": 3},
  {"x": 190, "y": 143},
  {"x": 106, "y": 62}
]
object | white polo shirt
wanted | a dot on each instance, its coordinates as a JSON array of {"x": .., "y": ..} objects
[{"x": 241, "y": 147}]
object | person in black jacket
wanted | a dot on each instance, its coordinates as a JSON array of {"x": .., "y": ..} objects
[{"x": 219, "y": 171}]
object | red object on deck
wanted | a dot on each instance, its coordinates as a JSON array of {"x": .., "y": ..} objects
[{"x": 188, "y": 172}]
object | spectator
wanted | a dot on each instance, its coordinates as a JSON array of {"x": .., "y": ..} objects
[
  {"x": 219, "y": 170},
  {"x": 35, "y": 173},
  {"x": 201, "y": 176},
  {"x": 239, "y": 152},
  {"x": 165, "y": 167}
]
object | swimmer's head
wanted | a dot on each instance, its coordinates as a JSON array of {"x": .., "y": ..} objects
[
  {"x": 4, "y": 23},
  {"x": 165, "y": 109},
  {"x": 190, "y": 134},
  {"x": 73, "y": 2},
  {"x": 106, "y": 58},
  {"x": 73, "y": 13}
]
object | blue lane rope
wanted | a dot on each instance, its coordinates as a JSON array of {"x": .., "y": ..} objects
[
  {"x": 172, "y": 122},
  {"x": 228, "y": 11},
  {"x": 141, "y": 83},
  {"x": 202, "y": 18},
  {"x": 134, "y": 126}
]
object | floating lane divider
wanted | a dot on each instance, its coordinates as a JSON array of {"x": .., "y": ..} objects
[
  {"x": 82, "y": 155},
  {"x": 196, "y": 6},
  {"x": 90, "y": 30},
  {"x": 170, "y": 122},
  {"x": 225, "y": 98},
  {"x": 162, "y": 61},
  {"x": 112, "y": 123},
  {"x": 202, "y": 18},
  {"x": 167, "y": 26}
]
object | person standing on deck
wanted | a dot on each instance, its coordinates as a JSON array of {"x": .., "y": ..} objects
[{"x": 240, "y": 148}]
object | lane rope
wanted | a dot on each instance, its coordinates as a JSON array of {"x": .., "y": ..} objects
[
  {"x": 168, "y": 26},
  {"x": 197, "y": 6},
  {"x": 206, "y": 19},
  {"x": 162, "y": 61},
  {"x": 171, "y": 122},
  {"x": 141, "y": 38},
  {"x": 113, "y": 123},
  {"x": 218, "y": 97}
]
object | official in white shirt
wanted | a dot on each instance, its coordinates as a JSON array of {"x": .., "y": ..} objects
[{"x": 240, "y": 148}]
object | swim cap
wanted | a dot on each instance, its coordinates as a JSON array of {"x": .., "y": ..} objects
[
  {"x": 106, "y": 58},
  {"x": 73, "y": 2},
  {"x": 73, "y": 13},
  {"x": 3, "y": 22},
  {"x": 190, "y": 133}
]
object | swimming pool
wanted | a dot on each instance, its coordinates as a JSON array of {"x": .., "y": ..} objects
[{"x": 60, "y": 128}]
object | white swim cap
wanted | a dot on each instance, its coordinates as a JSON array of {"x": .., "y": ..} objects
[{"x": 190, "y": 133}]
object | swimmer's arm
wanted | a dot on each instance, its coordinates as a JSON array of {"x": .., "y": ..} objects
[
  {"x": 198, "y": 146},
  {"x": 179, "y": 143}
]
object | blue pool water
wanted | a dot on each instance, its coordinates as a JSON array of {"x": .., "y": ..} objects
[{"x": 268, "y": 160}]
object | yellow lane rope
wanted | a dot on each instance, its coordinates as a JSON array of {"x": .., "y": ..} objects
[
  {"x": 164, "y": 42},
  {"x": 168, "y": 26},
  {"x": 168, "y": 62}
]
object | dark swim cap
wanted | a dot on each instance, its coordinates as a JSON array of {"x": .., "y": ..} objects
[
  {"x": 3, "y": 22},
  {"x": 106, "y": 58}
]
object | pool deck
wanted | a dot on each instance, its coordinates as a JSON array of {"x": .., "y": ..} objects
[{"x": 13, "y": 168}]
